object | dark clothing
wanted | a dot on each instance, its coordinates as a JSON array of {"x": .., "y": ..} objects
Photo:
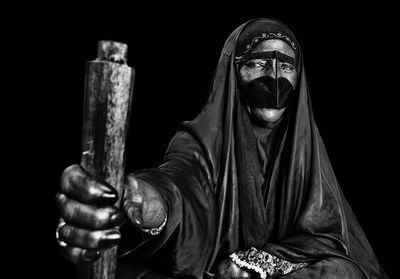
[{"x": 231, "y": 185}]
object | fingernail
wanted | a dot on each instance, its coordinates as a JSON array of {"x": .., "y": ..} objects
[
  {"x": 137, "y": 222},
  {"x": 117, "y": 219},
  {"x": 107, "y": 189},
  {"x": 134, "y": 215},
  {"x": 108, "y": 195},
  {"x": 90, "y": 255},
  {"x": 110, "y": 239}
]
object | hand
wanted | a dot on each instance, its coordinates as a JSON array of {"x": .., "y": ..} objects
[
  {"x": 228, "y": 269},
  {"x": 143, "y": 204},
  {"x": 91, "y": 221}
]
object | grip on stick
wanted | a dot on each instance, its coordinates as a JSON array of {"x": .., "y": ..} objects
[{"x": 108, "y": 94}]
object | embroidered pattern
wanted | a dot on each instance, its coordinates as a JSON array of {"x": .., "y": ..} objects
[
  {"x": 265, "y": 36},
  {"x": 264, "y": 263}
]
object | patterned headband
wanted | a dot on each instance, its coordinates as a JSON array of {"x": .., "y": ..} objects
[{"x": 265, "y": 36}]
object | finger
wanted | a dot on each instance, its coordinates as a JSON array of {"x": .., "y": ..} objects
[
  {"x": 244, "y": 274},
  {"x": 86, "y": 239},
  {"x": 237, "y": 272},
  {"x": 134, "y": 212},
  {"x": 79, "y": 185},
  {"x": 133, "y": 201},
  {"x": 78, "y": 255},
  {"x": 88, "y": 216},
  {"x": 132, "y": 191}
]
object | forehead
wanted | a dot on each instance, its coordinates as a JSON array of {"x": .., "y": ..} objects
[{"x": 275, "y": 44}]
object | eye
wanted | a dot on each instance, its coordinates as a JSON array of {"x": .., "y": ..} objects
[
  {"x": 286, "y": 67},
  {"x": 253, "y": 64},
  {"x": 257, "y": 64}
]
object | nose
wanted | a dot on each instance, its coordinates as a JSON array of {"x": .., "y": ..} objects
[{"x": 273, "y": 70}]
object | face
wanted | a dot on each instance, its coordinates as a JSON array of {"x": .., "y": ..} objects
[{"x": 257, "y": 68}]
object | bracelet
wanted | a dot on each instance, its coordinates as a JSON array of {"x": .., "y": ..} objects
[
  {"x": 264, "y": 263},
  {"x": 155, "y": 231}
]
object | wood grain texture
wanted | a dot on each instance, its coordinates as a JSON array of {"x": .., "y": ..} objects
[{"x": 107, "y": 101}]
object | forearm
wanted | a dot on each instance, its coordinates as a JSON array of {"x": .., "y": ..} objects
[
  {"x": 187, "y": 236},
  {"x": 184, "y": 183}
]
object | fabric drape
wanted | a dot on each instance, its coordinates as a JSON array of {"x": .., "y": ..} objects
[{"x": 229, "y": 187}]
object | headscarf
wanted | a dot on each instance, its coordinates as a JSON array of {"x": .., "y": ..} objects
[{"x": 300, "y": 213}]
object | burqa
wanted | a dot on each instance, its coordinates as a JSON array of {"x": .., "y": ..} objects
[{"x": 226, "y": 194}]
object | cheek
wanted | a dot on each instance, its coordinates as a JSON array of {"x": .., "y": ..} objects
[
  {"x": 292, "y": 78},
  {"x": 247, "y": 75}
]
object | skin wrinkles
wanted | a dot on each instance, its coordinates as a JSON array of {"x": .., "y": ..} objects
[{"x": 259, "y": 67}]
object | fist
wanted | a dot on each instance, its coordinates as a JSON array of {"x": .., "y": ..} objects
[
  {"x": 89, "y": 219},
  {"x": 143, "y": 204}
]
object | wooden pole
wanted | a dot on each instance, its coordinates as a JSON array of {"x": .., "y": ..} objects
[{"x": 108, "y": 94}]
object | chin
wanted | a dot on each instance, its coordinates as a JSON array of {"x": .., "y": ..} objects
[{"x": 268, "y": 115}]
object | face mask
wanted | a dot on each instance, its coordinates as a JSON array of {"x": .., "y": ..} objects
[{"x": 268, "y": 92}]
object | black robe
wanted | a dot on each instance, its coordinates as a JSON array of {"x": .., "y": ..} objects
[{"x": 217, "y": 203}]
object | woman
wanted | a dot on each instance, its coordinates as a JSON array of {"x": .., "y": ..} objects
[{"x": 246, "y": 188}]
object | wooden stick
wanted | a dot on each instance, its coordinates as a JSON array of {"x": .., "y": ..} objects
[{"x": 108, "y": 94}]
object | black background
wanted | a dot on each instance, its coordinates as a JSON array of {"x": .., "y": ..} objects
[{"x": 174, "y": 52}]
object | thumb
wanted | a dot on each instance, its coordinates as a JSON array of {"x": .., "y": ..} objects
[
  {"x": 133, "y": 201},
  {"x": 134, "y": 211},
  {"x": 144, "y": 204}
]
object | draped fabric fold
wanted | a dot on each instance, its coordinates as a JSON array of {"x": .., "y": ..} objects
[{"x": 219, "y": 203}]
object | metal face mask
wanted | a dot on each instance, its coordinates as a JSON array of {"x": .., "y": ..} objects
[{"x": 270, "y": 90}]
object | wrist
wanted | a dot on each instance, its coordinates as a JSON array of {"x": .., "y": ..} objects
[
  {"x": 157, "y": 230},
  {"x": 265, "y": 264}
]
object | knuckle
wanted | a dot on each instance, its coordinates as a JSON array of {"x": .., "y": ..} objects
[
  {"x": 75, "y": 169},
  {"x": 132, "y": 182},
  {"x": 137, "y": 198},
  {"x": 68, "y": 175},
  {"x": 102, "y": 216},
  {"x": 60, "y": 200},
  {"x": 91, "y": 189},
  {"x": 66, "y": 233},
  {"x": 92, "y": 239},
  {"x": 58, "y": 197},
  {"x": 68, "y": 210},
  {"x": 69, "y": 171}
]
